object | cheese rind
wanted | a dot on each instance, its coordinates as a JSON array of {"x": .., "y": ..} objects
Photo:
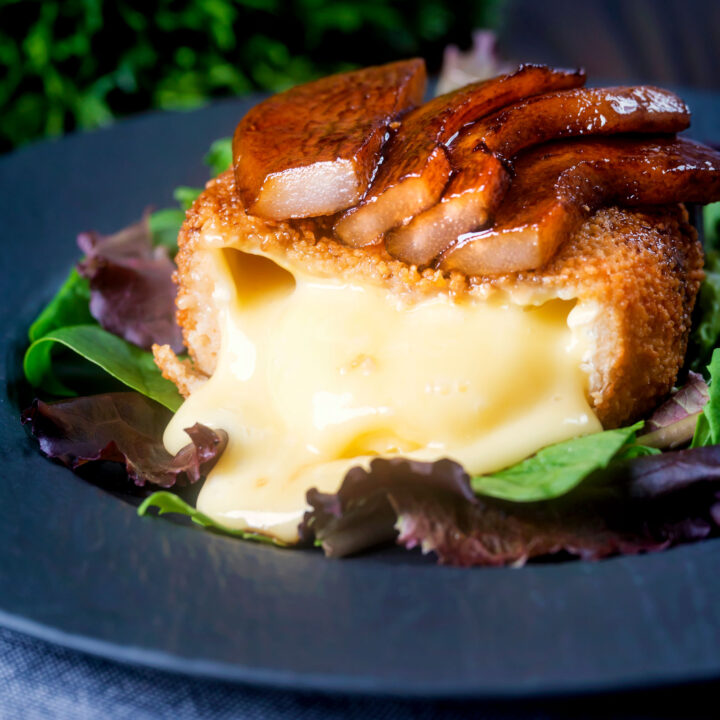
[{"x": 315, "y": 376}]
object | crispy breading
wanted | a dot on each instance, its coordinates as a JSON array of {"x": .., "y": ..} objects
[
  {"x": 635, "y": 273},
  {"x": 183, "y": 373}
]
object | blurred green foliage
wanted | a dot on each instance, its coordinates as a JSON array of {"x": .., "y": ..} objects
[{"x": 67, "y": 64}]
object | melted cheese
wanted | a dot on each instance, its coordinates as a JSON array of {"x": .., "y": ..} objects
[{"x": 315, "y": 376}]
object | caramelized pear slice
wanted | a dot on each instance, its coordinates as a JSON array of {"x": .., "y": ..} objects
[
  {"x": 582, "y": 111},
  {"x": 313, "y": 149},
  {"x": 464, "y": 206},
  {"x": 416, "y": 167},
  {"x": 481, "y": 179},
  {"x": 558, "y": 186}
]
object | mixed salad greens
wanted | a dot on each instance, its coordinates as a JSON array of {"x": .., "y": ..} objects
[{"x": 619, "y": 491}]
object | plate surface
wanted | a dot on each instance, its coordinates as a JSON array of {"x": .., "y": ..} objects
[{"x": 78, "y": 567}]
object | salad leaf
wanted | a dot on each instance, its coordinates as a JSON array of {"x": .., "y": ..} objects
[
  {"x": 160, "y": 228},
  {"x": 165, "y": 226},
  {"x": 635, "y": 449},
  {"x": 168, "y": 502},
  {"x": 591, "y": 527},
  {"x": 131, "y": 289},
  {"x": 125, "y": 362},
  {"x": 688, "y": 400},
  {"x": 670, "y": 471},
  {"x": 219, "y": 157},
  {"x": 638, "y": 506},
  {"x": 360, "y": 515},
  {"x": 556, "y": 469},
  {"x": 128, "y": 287},
  {"x": 711, "y": 226},
  {"x": 68, "y": 307},
  {"x": 125, "y": 428},
  {"x": 707, "y": 431},
  {"x": 186, "y": 196},
  {"x": 705, "y": 335},
  {"x": 674, "y": 422}
]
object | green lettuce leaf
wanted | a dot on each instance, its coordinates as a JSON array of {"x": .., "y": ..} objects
[
  {"x": 186, "y": 196},
  {"x": 67, "y": 321},
  {"x": 165, "y": 226},
  {"x": 120, "y": 359},
  {"x": 711, "y": 226},
  {"x": 167, "y": 502},
  {"x": 707, "y": 430},
  {"x": 219, "y": 157},
  {"x": 706, "y": 325},
  {"x": 557, "y": 469},
  {"x": 636, "y": 450},
  {"x": 70, "y": 306}
]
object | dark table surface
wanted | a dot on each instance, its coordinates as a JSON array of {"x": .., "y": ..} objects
[{"x": 41, "y": 680}]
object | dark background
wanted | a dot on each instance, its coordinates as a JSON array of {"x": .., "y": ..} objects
[
  {"x": 668, "y": 42},
  {"x": 77, "y": 64},
  {"x": 71, "y": 64}
]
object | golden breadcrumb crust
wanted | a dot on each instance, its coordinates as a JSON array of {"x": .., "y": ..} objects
[{"x": 635, "y": 271}]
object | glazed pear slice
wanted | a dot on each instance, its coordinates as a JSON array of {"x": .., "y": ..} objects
[
  {"x": 481, "y": 177},
  {"x": 557, "y": 186},
  {"x": 312, "y": 150},
  {"x": 416, "y": 167}
]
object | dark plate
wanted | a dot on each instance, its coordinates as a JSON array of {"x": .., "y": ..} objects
[{"x": 78, "y": 567}]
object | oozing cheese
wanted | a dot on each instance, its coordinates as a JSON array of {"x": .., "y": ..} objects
[{"x": 315, "y": 376}]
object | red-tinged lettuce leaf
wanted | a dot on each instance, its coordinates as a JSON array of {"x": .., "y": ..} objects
[
  {"x": 126, "y": 428},
  {"x": 658, "y": 475},
  {"x": 673, "y": 423},
  {"x": 641, "y": 505},
  {"x": 132, "y": 294},
  {"x": 690, "y": 399},
  {"x": 491, "y": 535},
  {"x": 360, "y": 515}
]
